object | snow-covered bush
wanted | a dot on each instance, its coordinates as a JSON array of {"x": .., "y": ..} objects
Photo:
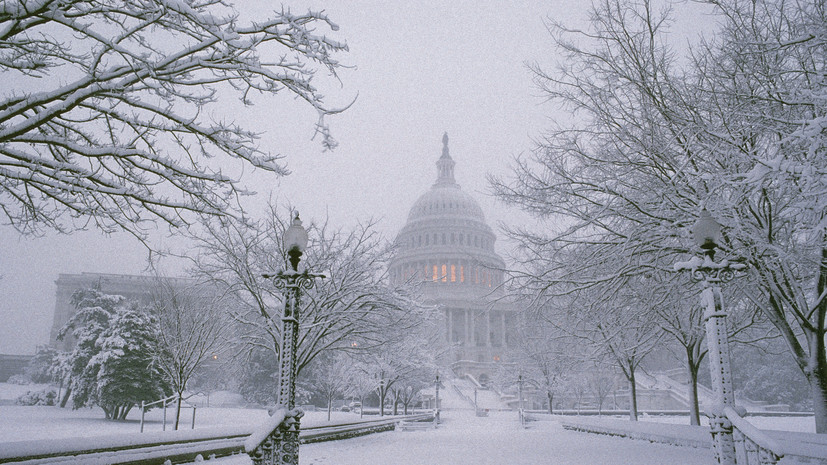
[
  {"x": 19, "y": 379},
  {"x": 42, "y": 397}
]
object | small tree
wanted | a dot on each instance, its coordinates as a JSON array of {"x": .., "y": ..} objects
[
  {"x": 123, "y": 369},
  {"x": 329, "y": 377},
  {"x": 360, "y": 384},
  {"x": 111, "y": 365},
  {"x": 94, "y": 309},
  {"x": 194, "y": 326},
  {"x": 600, "y": 381}
]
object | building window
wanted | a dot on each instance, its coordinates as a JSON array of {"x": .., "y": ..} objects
[
  {"x": 453, "y": 273},
  {"x": 444, "y": 273},
  {"x": 453, "y": 238},
  {"x": 443, "y": 238},
  {"x": 435, "y": 273},
  {"x": 427, "y": 237},
  {"x": 461, "y": 273}
]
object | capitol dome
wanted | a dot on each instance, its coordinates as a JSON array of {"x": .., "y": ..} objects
[
  {"x": 447, "y": 248},
  {"x": 446, "y": 238}
]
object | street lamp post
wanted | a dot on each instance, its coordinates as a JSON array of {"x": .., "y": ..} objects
[
  {"x": 291, "y": 283},
  {"x": 520, "y": 391},
  {"x": 382, "y": 393},
  {"x": 711, "y": 274},
  {"x": 436, "y": 388}
]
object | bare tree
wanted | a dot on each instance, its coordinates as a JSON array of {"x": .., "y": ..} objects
[
  {"x": 193, "y": 329},
  {"x": 625, "y": 337},
  {"x": 736, "y": 126},
  {"x": 354, "y": 303},
  {"x": 408, "y": 359},
  {"x": 600, "y": 381},
  {"x": 542, "y": 354},
  {"x": 360, "y": 383},
  {"x": 330, "y": 377},
  {"x": 113, "y": 119}
]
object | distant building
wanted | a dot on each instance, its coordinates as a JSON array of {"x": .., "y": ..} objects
[
  {"x": 11, "y": 365},
  {"x": 447, "y": 244},
  {"x": 133, "y": 287}
]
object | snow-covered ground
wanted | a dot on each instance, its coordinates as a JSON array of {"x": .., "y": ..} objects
[
  {"x": 797, "y": 424},
  {"x": 464, "y": 439}
]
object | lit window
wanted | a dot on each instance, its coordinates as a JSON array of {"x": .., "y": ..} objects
[
  {"x": 453, "y": 273},
  {"x": 444, "y": 273},
  {"x": 435, "y": 273},
  {"x": 461, "y": 273}
]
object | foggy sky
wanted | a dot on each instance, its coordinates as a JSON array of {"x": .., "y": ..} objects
[{"x": 420, "y": 68}]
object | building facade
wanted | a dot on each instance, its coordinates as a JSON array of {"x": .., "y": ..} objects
[
  {"x": 133, "y": 287},
  {"x": 447, "y": 245}
]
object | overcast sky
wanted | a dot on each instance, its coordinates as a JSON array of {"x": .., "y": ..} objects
[{"x": 421, "y": 68}]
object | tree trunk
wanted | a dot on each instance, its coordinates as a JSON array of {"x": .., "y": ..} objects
[
  {"x": 694, "y": 407},
  {"x": 361, "y": 406},
  {"x": 178, "y": 411},
  {"x": 632, "y": 395},
  {"x": 818, "y": 372},
  {"x": 329, "y": 407},
  {"x": 66, "y": 395},
  {"x": 818, "y": 379},
  {"x": 550, "y": 396}
]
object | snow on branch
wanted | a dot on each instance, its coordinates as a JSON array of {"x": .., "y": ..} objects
[{"x": 117, "y": 120}]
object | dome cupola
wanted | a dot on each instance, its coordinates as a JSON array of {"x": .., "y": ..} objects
[{"x": 446, "y": 229}]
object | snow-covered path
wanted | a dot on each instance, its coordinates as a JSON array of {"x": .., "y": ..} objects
[{"x": 463, "y": 439}]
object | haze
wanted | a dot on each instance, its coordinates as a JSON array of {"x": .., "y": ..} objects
[{"x": 419, "y": 69}]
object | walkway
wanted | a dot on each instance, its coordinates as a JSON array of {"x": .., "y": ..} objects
[{"x": 463, "y": 439}]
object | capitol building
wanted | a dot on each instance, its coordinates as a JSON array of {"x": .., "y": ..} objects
[{"x": 447, "y": 245}]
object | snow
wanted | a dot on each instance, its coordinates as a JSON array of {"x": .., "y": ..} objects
[
  {"x": 463, "y": 438},
  {"x": 264, "y": 429}
]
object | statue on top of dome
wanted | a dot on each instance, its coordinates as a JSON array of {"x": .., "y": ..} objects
[{"x": 445, "y": 165}]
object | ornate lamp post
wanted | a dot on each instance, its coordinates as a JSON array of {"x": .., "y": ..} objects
[
  {"x": 436, "y": 387},
  {"x": 291, "y": 283},
  {"x": 706, "y": 233},
  {"x": 520, "y": 391}
]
